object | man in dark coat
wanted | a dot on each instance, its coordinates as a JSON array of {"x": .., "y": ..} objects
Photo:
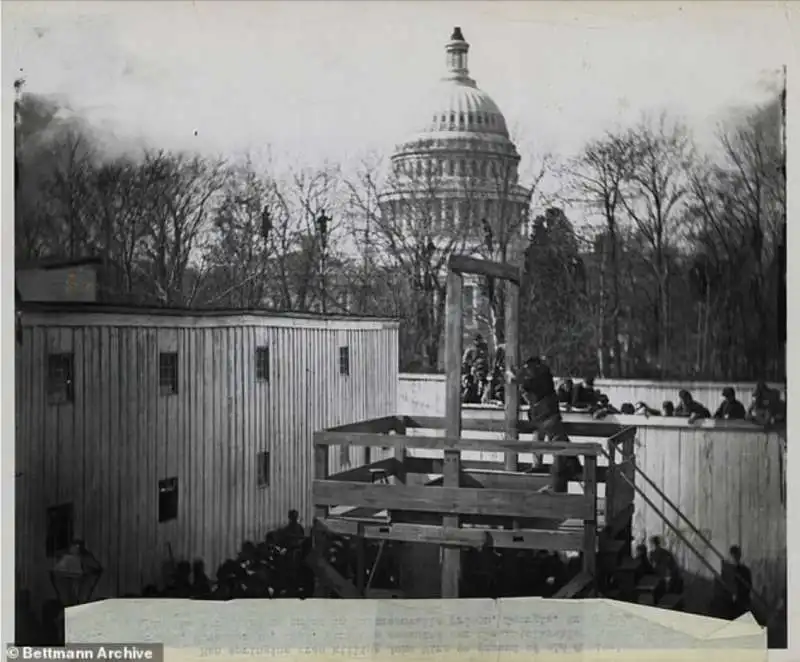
[
  {"x": 537, "y": 385},
  {"x": 767, "y": 407},
  {"x": 730, "y": 409},
  {"x": 479, "y": 349},
  {"x": 690, "y": 407}
]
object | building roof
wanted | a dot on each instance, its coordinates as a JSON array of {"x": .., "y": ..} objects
[
  {"x": 58, "y": 263},
  {"x": 92, "y": 308}
]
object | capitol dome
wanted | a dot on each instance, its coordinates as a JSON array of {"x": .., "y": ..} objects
[
  {"x": 457, "y": 108},
  {"x": 457, "y": 174},
  {"x": 458, "y": 105}
]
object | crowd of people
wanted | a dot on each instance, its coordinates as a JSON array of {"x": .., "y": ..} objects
[
  {"x": 483, "y": 383},
  {"x": 273, "y": 568}
]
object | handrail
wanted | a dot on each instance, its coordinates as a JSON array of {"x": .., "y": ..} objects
[{"x": 680, "y": 534}]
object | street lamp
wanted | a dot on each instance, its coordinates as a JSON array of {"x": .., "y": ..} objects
[{"x": 75, "y": 575}]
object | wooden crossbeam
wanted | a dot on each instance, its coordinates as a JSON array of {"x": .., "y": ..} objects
[
  {"x": 454, "y": 443},
  {"x": 455, "y": 500},
  {"x": 380, "y": 425},
  {"x": 575, "y": 425},
  {"x": 481, "y": 521},
  {"x": 478, "y": 468},
  {"x": 470, "y": 265},
  {"x": 626, "y": 433},
  {"x": 508, "y": 480},
  {"x": 464, "y": 480},
  {"x": 461, "y": 537},
  {"x": 433, "y": 465},
  {"x": 364, "y": 474},
  {"x": 330, "y": 577},
  {"x": 575, "y": 586}
]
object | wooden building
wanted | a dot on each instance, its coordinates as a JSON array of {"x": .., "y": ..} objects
[{"x": 157, "y": 433}]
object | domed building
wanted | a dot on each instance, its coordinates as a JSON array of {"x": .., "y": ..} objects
[{"x": 455, "y": 180}]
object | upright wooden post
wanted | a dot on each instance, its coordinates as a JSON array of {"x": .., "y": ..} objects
[
  {"x": 401, "y": 454},
  {"x": 361, "y": 561},
  {"x": 611, "y": 482},
  {"x": 512, "y": 361},
  {"x": 451, "y": 556},
  {"x": 590, "y": 524},
  {"x": 318, "y": 537}
]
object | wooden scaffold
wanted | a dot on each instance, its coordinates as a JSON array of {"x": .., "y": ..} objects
[{"x": 473, "y": 504}]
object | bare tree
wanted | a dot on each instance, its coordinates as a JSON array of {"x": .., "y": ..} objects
[
  {"x": 423, "y": 221},
  {"x": 372, "y": 284},
  {"x": 53, "y": 163},
  {"x": 308, "y": 248},
  {"x": 654, "y": 197},
  {"x": 249, "y": 224},
  {"x": 739, "y": 210},
  {"x": 505, "y": 225},
  {"x": 179, "y": 199},
  {"x": 596, "y": 178}
]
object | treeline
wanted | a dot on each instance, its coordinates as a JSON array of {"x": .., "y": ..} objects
[{"x": 678, "y": 269}]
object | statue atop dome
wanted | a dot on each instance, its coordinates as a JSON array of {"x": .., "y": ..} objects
[
  {"x": 457, "y": 36},
  {"x": 457, "y": 49}
]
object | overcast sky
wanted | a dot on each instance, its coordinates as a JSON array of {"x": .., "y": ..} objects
[{"x": 330, "y": 79}]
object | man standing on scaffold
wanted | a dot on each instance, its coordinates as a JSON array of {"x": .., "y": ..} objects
[{"x": 537, "y": 386}]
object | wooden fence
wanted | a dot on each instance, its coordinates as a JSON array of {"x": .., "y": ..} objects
[{"x": 423, "y": 394}]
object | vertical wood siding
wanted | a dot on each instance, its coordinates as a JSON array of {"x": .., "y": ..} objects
[
  {"x": 728, "y": 484},
  {"x": 106, "y": 451}
]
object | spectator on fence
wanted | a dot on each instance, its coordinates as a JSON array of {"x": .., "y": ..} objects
[
  {"x": 730, "y": 409},
  {"x": 603, "y": 407},
  {"x": 627, "y": 409},
  {"x": 585, "y": 394},
  {"x": 478, "y": 349},
  {"x": 497, "y": 385},
  {"x": 690, "y": 408},
  {"x": 470, "y": 390},
  {"x": 646, "y": 410},
  {"x": 667, "y": 408},
  {"x": 767, "y": 407},
  {"x": 480, "y": 371},
  {"x": 665, "y": 565},
  {"x": 566, "y": 392}
]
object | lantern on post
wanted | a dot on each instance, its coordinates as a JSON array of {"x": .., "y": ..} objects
[{"x": 75, "y": 575}]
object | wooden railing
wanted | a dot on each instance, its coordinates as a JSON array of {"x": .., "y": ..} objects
[{"x": 507, "y": 500}]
